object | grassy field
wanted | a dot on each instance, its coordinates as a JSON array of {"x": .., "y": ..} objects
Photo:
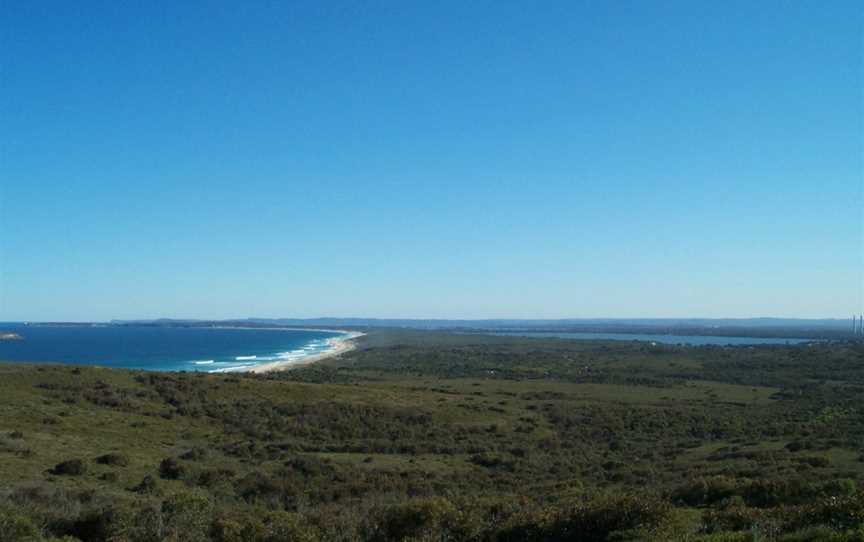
[{"x": 436, "y": 436}]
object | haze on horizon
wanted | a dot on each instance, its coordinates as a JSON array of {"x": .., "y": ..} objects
[{"x": 493, "y": 160}]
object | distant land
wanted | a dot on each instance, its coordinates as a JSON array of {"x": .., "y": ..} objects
[
  {"x": 830, "y": 323},
  {"x": 823, "y": 328}
]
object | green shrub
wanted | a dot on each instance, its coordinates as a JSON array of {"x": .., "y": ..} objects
[
  {"x": 16, "y": 527},
  {"x": 187, "y": 517},
  {"x": 45, "y": 503}
]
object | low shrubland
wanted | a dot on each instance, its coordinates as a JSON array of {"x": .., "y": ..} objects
[{"x": 431, "y": 436}]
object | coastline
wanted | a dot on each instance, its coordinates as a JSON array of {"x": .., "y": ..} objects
[{"x": 338, "y": 346}]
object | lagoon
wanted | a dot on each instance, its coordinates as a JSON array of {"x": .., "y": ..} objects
[{"x": 692, "y": 340}]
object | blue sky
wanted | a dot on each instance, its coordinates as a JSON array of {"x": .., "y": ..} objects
[{"x": 430, "y": 159}]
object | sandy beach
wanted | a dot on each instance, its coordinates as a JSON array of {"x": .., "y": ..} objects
[{"x": 337, "y": 347}]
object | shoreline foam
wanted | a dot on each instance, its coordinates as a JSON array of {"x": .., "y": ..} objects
[{"x": 337, "y": 347}]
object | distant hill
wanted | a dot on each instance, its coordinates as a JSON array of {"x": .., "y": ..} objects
[
  {"x": 753, "y": 327},
  {"x": 827, "y": 323}
]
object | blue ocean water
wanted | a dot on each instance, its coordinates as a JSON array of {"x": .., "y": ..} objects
[
  {"x": 161, "y": 348},
  {"x": 695, "y": 340}
]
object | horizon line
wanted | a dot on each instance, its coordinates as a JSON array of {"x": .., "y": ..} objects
[{"x": 436, "y": 319}]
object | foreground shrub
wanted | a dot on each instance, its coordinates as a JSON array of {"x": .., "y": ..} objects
[
  {"x": 15, "y": 526},
  {"x": 842, "y": 516},
  {"x": 725, "y": 537},
  {"x": 596, "y": 520},
  {"x": 187, "y": 517},
  {"x": 822, "y": 534},
  {"x": 590, "y": 521},
  {"x": 96, "y": 525},
  {"x": 412, "y": 520},
  {"x": 45, "y": 504},
  {"x": 265, "y": 527},
  {"x": 839, "y": 513}
]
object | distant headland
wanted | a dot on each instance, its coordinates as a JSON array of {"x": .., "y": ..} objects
[
  {"x": 816, "y": 328},
  {"x": 797, "y": 328}
]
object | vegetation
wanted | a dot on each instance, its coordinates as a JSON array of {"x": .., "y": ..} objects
[{"x": 436, "y": 436}]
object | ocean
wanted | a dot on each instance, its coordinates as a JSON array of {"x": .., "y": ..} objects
[{"x": 161, "y": 348}]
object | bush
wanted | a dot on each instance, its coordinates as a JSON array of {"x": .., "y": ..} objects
[
  {"x": 821, "y": 534},
  {"x": 70, "y": 467},
  {"x": 187, "y": 517},
  {"x": 267, "y": 527},
  {"x": 214, "y": 477},
  {"x": 841, "y": 487},
  {"x": 415, "y": 519},
  {"x": 815, "y": 461},
  {"x": 798, "y": 445},
  {"x": 171, "y": 469},
  {"x": 16, "y": 527},
  {"x": 96, "y": 525},
  {"x": 278, "y": 491},
  {"x": 147, "y": 486},
  {"x": 114, "y": 459},
  {"x": 595, "y": 521},
  {"x": 491, "y": 461},
  {"x": 840, "y": 513},
  {"x": 195, "y": 454},
  {"x": 44, "y": 503},
  {"x": 734, "y": 519},
  {"x": 288, "y": 526},
  {"x": 725, "y": 537},
  {"x": 704, "y": 491}
]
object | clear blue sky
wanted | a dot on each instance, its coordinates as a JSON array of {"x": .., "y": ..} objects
[{"x": 430, "y": 159}]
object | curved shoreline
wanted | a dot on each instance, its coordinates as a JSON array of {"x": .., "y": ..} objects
[{"x": 338, "y": 346}]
